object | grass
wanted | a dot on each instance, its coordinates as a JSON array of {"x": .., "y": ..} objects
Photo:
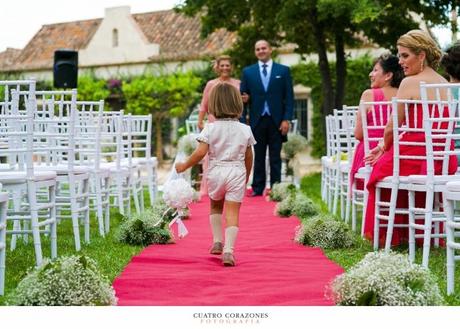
[
  {"x": 311, "y": 186},
  {"x": 110, "y": 255}
]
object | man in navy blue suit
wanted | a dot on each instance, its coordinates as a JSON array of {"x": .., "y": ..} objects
[{"x": 268, "y": 87}]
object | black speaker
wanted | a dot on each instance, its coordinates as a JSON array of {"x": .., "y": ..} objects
[{"x": 65, "y": 69}]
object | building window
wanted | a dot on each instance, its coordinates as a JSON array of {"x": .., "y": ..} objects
[
  {"x": 301, "y": 114},
  {"x": 114, "y": 38}
]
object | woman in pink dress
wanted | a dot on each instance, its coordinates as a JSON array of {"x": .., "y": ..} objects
[
  {"x": 419, "y": 57},
  {"x": 223, "y": 68},
  {"x": 385, "y": 79}
]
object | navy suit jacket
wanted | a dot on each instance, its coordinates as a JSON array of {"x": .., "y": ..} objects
[{"x": 279, "y": 94}]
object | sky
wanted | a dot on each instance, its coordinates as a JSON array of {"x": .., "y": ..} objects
[{"x": 21, "y": 19}]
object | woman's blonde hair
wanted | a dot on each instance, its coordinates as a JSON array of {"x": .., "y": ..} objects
[
  {"x": 225, "y": 101},
  {"x": 216, "y": 62},
  {"x": 418, "y": 41}
]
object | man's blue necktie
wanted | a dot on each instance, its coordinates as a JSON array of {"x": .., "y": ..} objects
[{"x": 264, "y": 69}]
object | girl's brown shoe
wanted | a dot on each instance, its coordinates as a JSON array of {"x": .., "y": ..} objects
[
  {"x": 228, "y": 259},
  {"x": 217, "y": 248}
]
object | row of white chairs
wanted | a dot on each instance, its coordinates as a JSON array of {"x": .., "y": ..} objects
[
  {"x": 434, "y": 119},
  {"x": 62, "y": 158}
]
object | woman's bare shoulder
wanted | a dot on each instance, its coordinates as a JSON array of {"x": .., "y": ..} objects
[{"x": 367, "y": 95}]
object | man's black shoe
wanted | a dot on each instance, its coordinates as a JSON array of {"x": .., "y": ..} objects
[{"x": 255, "y": 194}]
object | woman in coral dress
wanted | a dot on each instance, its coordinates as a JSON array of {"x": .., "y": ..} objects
[
  {"x": 419, "y": 56},
  {"x": 385, "y": 79},
  {"x": 223, "y": 67}
]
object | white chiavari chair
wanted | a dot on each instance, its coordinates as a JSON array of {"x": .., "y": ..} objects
[
  {"x": 3, "y": 210},
  {"x": 32, "y": 192},
  {"x": 440, "y": 116},
  {"x": 88, "y": 141},
  {"x": 379, "y": 114},
  {"x": 55, "y": 132},
  {"x": 141, "y": 137}
]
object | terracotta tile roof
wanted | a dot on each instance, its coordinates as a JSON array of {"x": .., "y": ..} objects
[
  {"x": 39, "y": 52},
  {"x": 8, "y": 57},
  {"x": 177, "y": 35}
]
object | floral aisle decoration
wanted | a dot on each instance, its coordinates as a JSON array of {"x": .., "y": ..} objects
[
  {"x": 148, "y": 227},
  {"x": 297, "y": 204},
  {"x": 280, "y": 191},
  {"x": 386, "y": 279},
  {"x": 295, "y": 144},
  {"x": 321, "y": 231},
  {"x": 67, "y": 281}
]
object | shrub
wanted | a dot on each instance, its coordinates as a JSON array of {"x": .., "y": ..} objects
[
  {"x": 323, "y": 232},
  {"x": 294, "y": 145},
  {"x": 386, "y": 279},
  {"x": 281, "y": 191},
  {"x": 70, "y": 280},
  {"x": 148, "y": 227}
]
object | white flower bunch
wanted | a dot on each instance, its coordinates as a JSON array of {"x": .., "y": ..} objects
[
  {"x": 295, "y": 144},
  {"x": 147, "y": 227},
  {"x": 187, "y": 144},
  {"x": 281, "y": 191},
  {"x": 296, "y": 204},
  {"x": 177, "y": 193},
  {"x": 386, "y": 279},
  {"x": 68, "y": 281},
  {"x": 323, "y": 232}
]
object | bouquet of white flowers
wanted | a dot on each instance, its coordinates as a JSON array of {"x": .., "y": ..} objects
[{"x": 178, "y": 194}]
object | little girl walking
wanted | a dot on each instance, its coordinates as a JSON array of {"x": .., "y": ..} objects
[{"x": 228, "y": 145}]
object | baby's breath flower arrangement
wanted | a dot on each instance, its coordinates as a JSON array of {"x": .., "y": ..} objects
[
  {"x": 187, "y": 144},
  {"x": 295, "y": 144},
  {"x": 323, "y": 232},
  {"x": 304, "y": 207},
  {"x": 295, "y": 204},
  {"x": 281, "y": 191},
  {"x": 284, "y": 208},
  {"x": 386, "y": 279},
  {"x": 148, "y": 227},
  {"x": 67, "y": 281}
]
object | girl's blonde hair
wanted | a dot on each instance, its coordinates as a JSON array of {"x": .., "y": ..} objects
[
  {"x": 225, "y": 101},
  {"x": 418, "y": 41}
]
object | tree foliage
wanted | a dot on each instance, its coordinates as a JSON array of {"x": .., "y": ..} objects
[
  {"x": 163, "y": 96},
  {"x": 316, "y": 26}
]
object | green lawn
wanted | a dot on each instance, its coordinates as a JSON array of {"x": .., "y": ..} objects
[
  {"x": 311, "y": 186},
  {"x": 110, "y": 255}
]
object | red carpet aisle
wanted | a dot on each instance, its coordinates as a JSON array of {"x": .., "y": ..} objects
[{"x": 271, "y": 268}]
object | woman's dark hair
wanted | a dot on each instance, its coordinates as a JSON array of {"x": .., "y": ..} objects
[
  {"x": 390, "y": 64},
  {"x": 451, "y": 61}
]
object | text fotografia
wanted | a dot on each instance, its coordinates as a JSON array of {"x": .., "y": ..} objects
[{"x": 230, "y": 318}]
